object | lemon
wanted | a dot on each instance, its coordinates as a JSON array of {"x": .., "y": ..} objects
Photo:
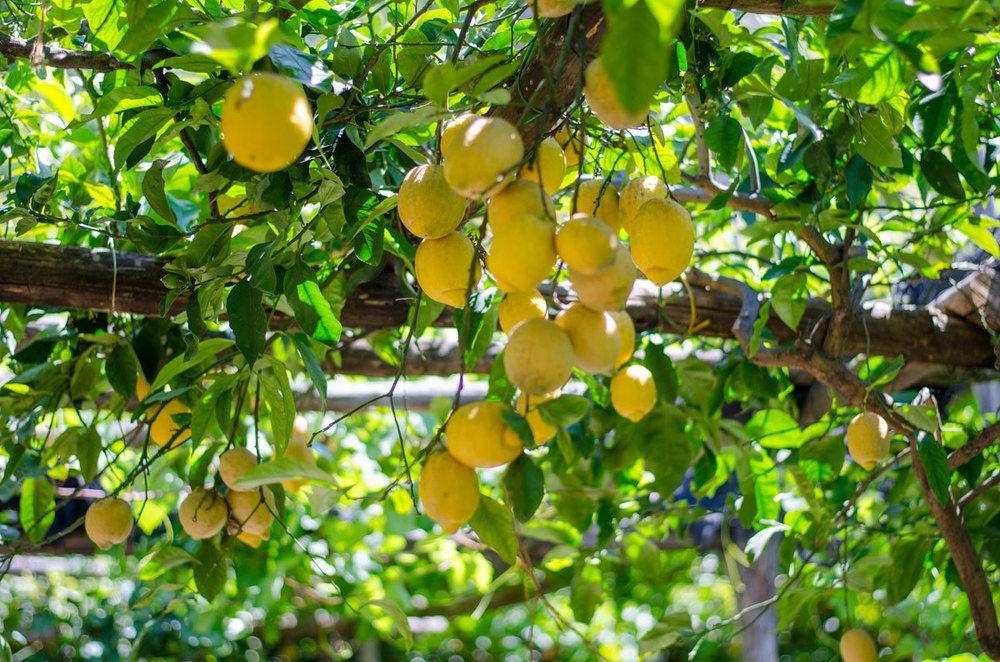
[
  {"x": 234, "y": 464},
  {"x": 538, "y": 357},
  {"x": 633, "y": 392},
  {"x": 449, "y": 491},
  {"x": 594, "y": 336},
  {"x": 108, "y": 522},
  {"x": 482, "y": 152},
  {"x": 571, "y": 144},
  {"x": 551, "y": 8},
  {"x": 442, "y": 268},
  {"x": 266, "y": 122},
  {"x": 203, "y": 513},
  {"x": 586, "y": 244},
  {"x": 868, "y": 439},
  {"x": 591, "y": 200},
  {"x": 163, "y": 429},
  {"x": 636, "y": 193},
  {"x": 478, "y": 436},
  {"x": 548, "y": 167},
  {"x": 857, "y": 646},
  {"x": 520, "y": 198},
  {"x": 452, "y": 130},
  {"x": 427, "y": 206},
  {"x": 527, "y": 406},
  {"x": 626, "y": 333},
  {"x": 519, "y": 306},
  {"x": 609, "y": 288},
  {"x": 252, "y": 512},
  {"x": 298, "y": 449},
  {"x": 522, "y": 253},
  {"x": 604, "y": 100},
  {"x": 662, "y": 240}
]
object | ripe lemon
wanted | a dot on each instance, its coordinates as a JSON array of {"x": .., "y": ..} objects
[
  {"x": 442, "y": 268},
  {"x": 203, "y": 513},
  {"x": 548, "y": 167},
  {"x": 605, "y": 208},
  {"x": 522, "y": 253},
  {"x": 449, "y": 491},
  {"x": 519, "y": 306},
  {"x": 604, "y": 100},
  {"x": 662, "y": 240},
  {"x": 479, "y": 438},
  {"x": 857, "y": 646},
  {"x": 108, "y": 522},
  {"x": 427, "y": 206},
  {"x": 636, "y": 192},
  {"x": 571, "y": 144},
  {"x": 480, "y": 154},
  {"x": 633, "y": 392},
  {"x": 551, "y": 8},
  {"x": 539, "y": 357},
  {"x": 234, "y": 464},
  {"x": 626, "y": 333},
  {"x": 300, "y": 450},
  {"x": 163, "y": 429},
  {"x": 453, "y": 129},
  {"x": 251, "y": 512},
  {"x": 520, "y": 198},
  {"x": 586, "y": 244},
  {"x": 266, "y": 122},
  {"x": 868, "y": 439},
  {"x": 527, "y": 406},
  {"x": 609, "y": 288},
  {"x": 594, "y": 336}
]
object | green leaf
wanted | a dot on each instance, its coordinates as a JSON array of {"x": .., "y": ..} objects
[
  {"x": 328, "y": 327},
  {"x": 981, "y": 235},
  {"x": 311, "y": 363},
  {"x": 878, "y": 146},
  {"x": 206, "y": 349},
  {"x": 260, "y": 269},
  {"x": 859, "y": 180},
  {"x": 122, "y": 369},
  {"x": 399, "y": 619},
  {"x": 88, "y": 451},
  {"x": 759, "y": 325},
  {"x": 585, "y": 592},
  {"x": 789, "y": 296},
  {"x": 664, "y": 447},
  {"x": 494, "y": 524},
  {"x": 144, "y": 126},
  {"x": 37, "y": 507},
  {"x": 121, "y": 99},
  {"x": 282, "y": 409},
  {"x": 876, "y": 77},
  {"x": 725, "y": 138},
  {"x": 519, "y": 424},
  {"x": 246, "y": 317},
  {"x": 283, "y": 469},
  {"x": 525, "y": 484},
  {"x": 210, "y": 577},
  {"x": 935, "y": 462},
  {"x": 773, "y": 428},
  {"x": 161, "y": 560},
  {"x": 659, "y": 363},
  {"x": 941, "y": 174},
  {"x": 564, "y": 411},
  {"x": 906, "y": 570},
  {"x": 401, "y": 121}
]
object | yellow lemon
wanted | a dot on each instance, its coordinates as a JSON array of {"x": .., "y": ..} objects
[
  {"x": 548, "y": 167},
  {"x": 633, "y": 392},
  {"x": 298, "y": 449},
  {"x": 527, "y": 406},
  {"x": 590, "y": 200},
  {"x": 519, "y": 306},
  {"x": 551, "y": 8},
  {"x": 442, "y": 268},
  {"x": 609, "y": 288},
  {"x": 203, "y": 513},
  {"x": 164, "y": 429},
  {"x": 234, "y": 464},
  {"x": 857, "y": 646},
  {"x": 594, "y": 336},
  {"x": 604, "y": 100},
  {"x": 635, "y": 194},
  {"x": 868, "y": 439},
  {"x": 251, "y": 512},
  {"x": 626, "y": 332},
  {"x": 478, "y": 437},
  {"x": 522, "y": 253},
  {"x": 482, "y": 152},
  {"x": 452, "y": 130},
  {"x": 662, "y": 240},
  {"x": 571, "y": 144},
  {"x": 427, "y": 206},
  {"x": 108, "y": 522},
  {"x": 449, "y": 491},
  {"x": 538, "y": 357},
  {"x": 522, "y": 197},
  {"x": 586, "y": 244},
  {"x": 266, "y": 122}
]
